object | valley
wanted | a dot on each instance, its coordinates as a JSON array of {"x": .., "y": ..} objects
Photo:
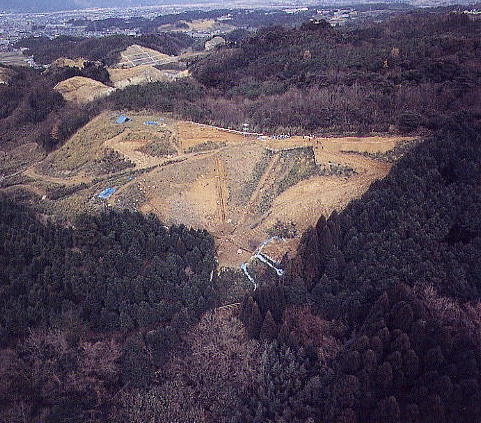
[
  {"x": 230, "y": 216},
  {"x": 237, "y": 186}
]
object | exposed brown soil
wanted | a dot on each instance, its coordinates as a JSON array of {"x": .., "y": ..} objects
[
  {"x": 82, "y": 90},
  {"x": 219, "y": 189}
]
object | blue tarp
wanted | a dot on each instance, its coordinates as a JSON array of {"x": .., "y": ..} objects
[
  {"x": 122, "y": 119},
  {"x": 151, "y": 122},
  {"x": 106, "y": 193}
]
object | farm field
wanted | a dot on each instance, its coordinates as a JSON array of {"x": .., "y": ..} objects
[
  {"x": 13, "y": 58},
  {"x": 241, "y": 188}
]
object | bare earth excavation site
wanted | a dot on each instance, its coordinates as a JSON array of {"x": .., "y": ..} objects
[
  {"x": 263, "y": 214},
  {"x": 241, "y": 187}
]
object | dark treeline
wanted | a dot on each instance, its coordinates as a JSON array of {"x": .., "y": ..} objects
[
  {"x": 32, "y": 111},
  {"x": 120, "y": 282},
  {"x": 407, "y": 74},
  {"x": 390, "y": 289},
  {"x": 175, "y": 97}
]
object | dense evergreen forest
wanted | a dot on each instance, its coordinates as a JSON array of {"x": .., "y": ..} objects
[
  {"x": 388, "y": 291},
  {"x": 114, "y": 287}
]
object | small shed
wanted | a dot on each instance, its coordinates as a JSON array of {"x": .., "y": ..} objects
[
  {"x": 106, "y": 193},
  {"x": 122, "y": 119}
]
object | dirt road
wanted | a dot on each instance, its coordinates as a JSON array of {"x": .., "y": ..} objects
[{"x": 221, "y": 187}]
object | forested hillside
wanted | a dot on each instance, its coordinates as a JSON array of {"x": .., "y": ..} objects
[
  {"x": 389, "y": 292},
  {"x": 118, "y": 288},
  {"x": 114, "y": 317},
  {"x": 407, "y": 74},
  {"x": 410, "y": 71},
  {"x": 32, "y": 111}
]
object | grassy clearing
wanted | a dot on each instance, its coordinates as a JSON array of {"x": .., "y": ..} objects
[
  {"x": 295, "y": 165},
  {"x": 82, "y": 148}
]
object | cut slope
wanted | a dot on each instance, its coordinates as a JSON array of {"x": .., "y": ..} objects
[
  {"x": 142, "y": 74},
  {"x": 82, "y": 90},
  {"x": 64, "y": 62},
  {"x": 236, "y": 186}
]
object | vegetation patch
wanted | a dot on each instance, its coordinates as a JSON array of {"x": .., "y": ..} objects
[
  {"x": 206, "y": 146},
  {"x": 283, "y": 230},
  {"x": 158, "y": 145},
  {"x": 110, "y": 162},
  {"x": 58, "y": 192},
  {"x": 131, "y": 197},
  {"x": 393, "y": 155},
  {"x": 335, "y": 169},
  {"x": 83, "y": 148},
  {"x": 260, "y": 167},
  {"x": 295, "y": 166},
  {"x": 18, "y": 179}
]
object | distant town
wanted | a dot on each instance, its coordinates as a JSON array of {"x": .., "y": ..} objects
[
  {"x": 199, "y": 24},
  {"x": 142, "y": 20}
]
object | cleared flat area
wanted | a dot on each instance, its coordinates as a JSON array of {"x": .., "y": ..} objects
[
  {"x": 136, "y": 55},
  {"x": 14, "y": 58},
  {"x": 239, "y": 187},
  {"x": 82, "y": 90}
]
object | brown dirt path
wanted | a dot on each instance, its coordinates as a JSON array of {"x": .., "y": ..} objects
[
  {"x": 221, "y": 187},
  {"x": 31, "y": 172}
]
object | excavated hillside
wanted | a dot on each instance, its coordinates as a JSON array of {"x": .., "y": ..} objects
[
  {"x": 142, "y": 74},
  {"x": 82, "y": 90},
  {"x": 241, "y": 187}
]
